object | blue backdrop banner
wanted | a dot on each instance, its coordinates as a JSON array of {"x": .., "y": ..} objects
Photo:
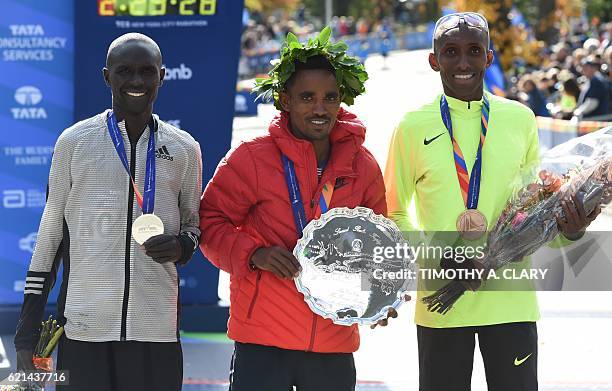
[
  {"x": 200, "y": 44},
  {"x": 46, "y": 45},
  {"x": 36, "y": 104}
]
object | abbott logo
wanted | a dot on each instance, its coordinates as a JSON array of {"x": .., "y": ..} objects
[
  {"x": 180, "y": 73},
  {"x": 13, "y": 199},
  {"x": 28, "y": 96}
]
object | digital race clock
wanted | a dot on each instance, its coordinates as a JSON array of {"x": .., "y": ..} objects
[{"x": 156, "y": 7}]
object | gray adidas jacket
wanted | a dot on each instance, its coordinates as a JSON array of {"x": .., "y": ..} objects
[{"x": 111, "y": 290}]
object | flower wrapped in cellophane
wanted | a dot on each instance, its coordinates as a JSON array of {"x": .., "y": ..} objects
[
  {"x": 581, "y": 167},
  {"x": 50, "y": 333}
]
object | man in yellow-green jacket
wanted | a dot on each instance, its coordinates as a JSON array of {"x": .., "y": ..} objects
[{"x": 458, "y": 158}]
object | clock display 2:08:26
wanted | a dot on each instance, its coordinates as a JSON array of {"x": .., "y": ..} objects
[{"x": 156, "y": 7}]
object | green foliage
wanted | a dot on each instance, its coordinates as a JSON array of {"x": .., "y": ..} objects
[
  {"x": 354, "y": 8},
  {"x": 350, "y": 73},
  {"x": 600, "y": 8}
]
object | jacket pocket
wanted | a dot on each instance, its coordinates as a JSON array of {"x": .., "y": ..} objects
[{"x": 254, "y": 299}]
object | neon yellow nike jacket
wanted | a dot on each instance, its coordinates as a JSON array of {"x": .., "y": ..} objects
[{"x": 421, "y": 167}]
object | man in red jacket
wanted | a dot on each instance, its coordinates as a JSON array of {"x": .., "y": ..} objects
[{"x": 249, "y": 224}]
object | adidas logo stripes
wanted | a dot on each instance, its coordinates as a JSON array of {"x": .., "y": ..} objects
[
  {"x": 34, "y": 285},
  {"x": 163, "y": 153}
]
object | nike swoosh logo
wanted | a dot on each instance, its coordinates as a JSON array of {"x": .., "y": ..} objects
[
  {"x": 427, "y": 142},
  {"x": 339, "y": 183},
  {"x": 518, "y": 362}
]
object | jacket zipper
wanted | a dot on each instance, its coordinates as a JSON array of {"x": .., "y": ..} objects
[
  {"x": 128, "y": 242},
  {"x": 308, "y": 165},
  {"x": 312, "y": 332},
  {"x": 252, "y": 305},
  {"x": 313, "y": 202}
]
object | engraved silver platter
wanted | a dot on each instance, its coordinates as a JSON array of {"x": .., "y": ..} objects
[{"x": 344, "y": 276}]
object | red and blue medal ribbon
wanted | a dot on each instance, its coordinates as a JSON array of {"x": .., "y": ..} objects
[
  {"x": 324, "y": 200},
  {"x": 295, "y": 196},
  {"x": 146, "y": 201},
  {"x": 469, "y": 184}
]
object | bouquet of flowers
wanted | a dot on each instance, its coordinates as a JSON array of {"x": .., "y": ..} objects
[
  {"x": 50, "y": 334},
  {"x": 529, "y": 220}
]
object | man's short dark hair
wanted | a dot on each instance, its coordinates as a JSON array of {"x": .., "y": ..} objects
[
  {"x": 314, "y": 62},
  {"x": 464, "y": 20},
  {"x": 438, "y": 38}
]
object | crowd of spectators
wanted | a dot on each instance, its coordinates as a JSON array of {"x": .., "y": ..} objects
[
  {"x": 263, "y": 35},
  {"x": 574, "y": 79}
]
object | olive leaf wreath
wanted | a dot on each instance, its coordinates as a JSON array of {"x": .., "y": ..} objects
[{"x": 350, "y": 73}]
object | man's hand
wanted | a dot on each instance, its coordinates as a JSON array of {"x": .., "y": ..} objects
[
  {"x": 163, "y": 248},
  {"x": 392, "y": 313},
  {"x": 448, "y": 262},
  {"x": 575, "y": 220},
  {"x": 277, "y": 260},
  {"x": 24, "y": 360}
]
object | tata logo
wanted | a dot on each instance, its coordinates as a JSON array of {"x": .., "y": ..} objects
[
  {"x": 26, "y": 29},
  {"x": 28, "y": 243},
  {"x": 27, "y": 97},
  {"x": 181, "y": 72}
]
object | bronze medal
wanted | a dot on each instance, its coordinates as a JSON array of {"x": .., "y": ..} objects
[{"x": 471, "y": 224}]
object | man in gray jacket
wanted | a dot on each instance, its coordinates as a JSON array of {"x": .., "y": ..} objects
[{"x": 122, "y": 211}]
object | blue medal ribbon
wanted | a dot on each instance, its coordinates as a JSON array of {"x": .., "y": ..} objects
[
  {"x": 147, "y": 200},
  {"x": 295, "y": 196},
  {"x": 472, "y": 193}
]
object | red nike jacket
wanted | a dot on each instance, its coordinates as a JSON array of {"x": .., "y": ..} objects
[{"x": 246, "y": 206}]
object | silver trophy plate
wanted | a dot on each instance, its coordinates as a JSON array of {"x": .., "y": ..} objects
[{"x": 344, "y": 276}]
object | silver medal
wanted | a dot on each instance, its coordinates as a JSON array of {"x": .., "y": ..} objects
[{"x": 145, "y": 227}]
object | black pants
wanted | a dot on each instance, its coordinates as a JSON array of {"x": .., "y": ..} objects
[
  {"x": 509, "y": 352},
  {"x": 266, "y": 368},
  {"x": 119, "y": 366}
]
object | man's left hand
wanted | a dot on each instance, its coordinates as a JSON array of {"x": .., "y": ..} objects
[
  {"x": 163, "y": 248},
  {"x": 575, "y": 218}
]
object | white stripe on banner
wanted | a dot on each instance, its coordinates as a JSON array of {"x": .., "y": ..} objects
[
  {"x": 4, "y": 361},
  {"x": 32, "y": 291},
  {"x": 35, "y": 279},
  {"x": 30, "y": 285}
]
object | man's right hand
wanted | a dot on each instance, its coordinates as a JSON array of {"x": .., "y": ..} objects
[
  {"x": 24, "y": 360},
  {"x": 277, "y": 260}
]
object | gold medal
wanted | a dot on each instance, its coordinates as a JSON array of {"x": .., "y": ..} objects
[{"x": 471, "y": 224}]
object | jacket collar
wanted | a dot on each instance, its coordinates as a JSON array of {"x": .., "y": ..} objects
[
  {"x": 462, "y": 108},
  {"x": 346, "y": 137}
]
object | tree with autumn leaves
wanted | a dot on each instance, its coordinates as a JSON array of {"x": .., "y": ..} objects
[
  {"x": 546, "y": 20},
  {"x": 270, "y": 5},
  {"x": 508, "y": 41}
]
